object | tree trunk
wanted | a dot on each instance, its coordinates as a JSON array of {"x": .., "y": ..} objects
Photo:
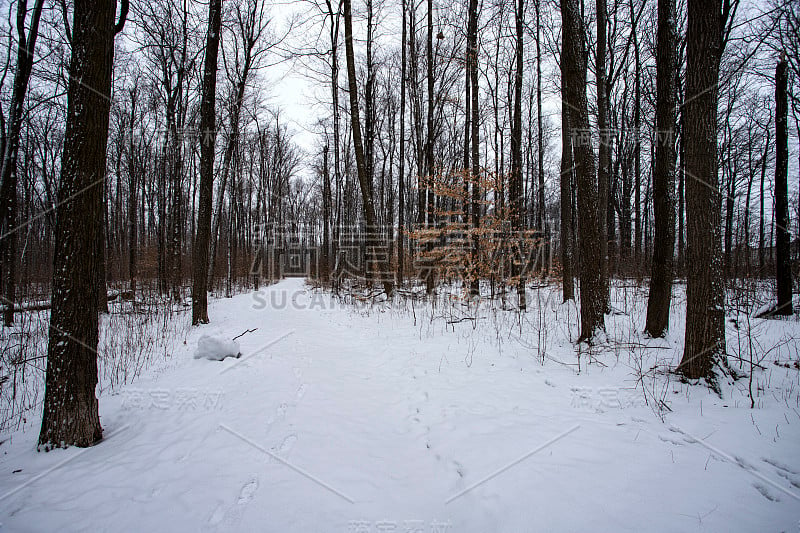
[
  {"x": 567, "y": 168},
  {"x": 401, "y": 186},
  {"x": 70, "y": 412},
  {"x": 745, "y": 246},
  {"x": 664, "y": 179},
  {"x": 705, "y": 297},
  {"x": 8, "y": 174},
  {"x": 516, "y": 200},
  {"x": 132, "y": 199},
  {"x": 604, "y": 151},
  {"x": 324, "y": 261},
  {"x": 540, "y": 217},
  {"x": 761, "y": 267},
  {"x": 430, "y": 273},
  {"x": 363, "y": 177},
  {"x": 637, "y": 155},
  {"x": 574, "y": 68},
  {"x": 208, "y": 136},
  {"x": 681, "y": 200},
  {"x": 102, "y": 301},
  {"x": 475, "y": 209},
  {"x": 783, "y": 267}
]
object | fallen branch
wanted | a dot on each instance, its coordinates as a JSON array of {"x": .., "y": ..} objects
[
  {"x": 244, "y": 333},
  {"x": 44, "y": 306}
]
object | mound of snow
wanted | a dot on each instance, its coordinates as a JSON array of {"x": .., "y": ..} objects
[{"x": 216, "y": 348}]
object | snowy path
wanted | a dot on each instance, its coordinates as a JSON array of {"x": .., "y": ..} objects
[{"x": 371, "y": 422}]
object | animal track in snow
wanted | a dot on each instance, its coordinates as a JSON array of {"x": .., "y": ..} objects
[
  {"x": 788, "y": 477},
  {"x": 765, "y": 493},
  {"x": 780, "y": 466},
  {"x": 301, "y": 391},
  {"x": 671, "y": 440}
]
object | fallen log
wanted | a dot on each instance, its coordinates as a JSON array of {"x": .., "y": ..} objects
[{"x": 44, "y": 306}]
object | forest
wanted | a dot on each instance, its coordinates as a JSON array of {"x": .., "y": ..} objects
[{"x": 565, "y": 213}]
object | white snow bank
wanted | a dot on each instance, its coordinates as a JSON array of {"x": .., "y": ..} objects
[{"x": 216, "y": 348}]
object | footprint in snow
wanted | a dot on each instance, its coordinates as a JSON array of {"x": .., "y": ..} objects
[
  {"x": 297, "y": 372},
  {"x": 247, "y": 492},
  {"x": 301, "y": 391},
  {"x": 780, "y": 466},
  {"x": 459, "y": 469},
  {"x": 743, "y": 463},
  {"x": 234, "y": 513},
  {"x": 287, "y": 444},
  {"x": 217, "y": 516},
  {"x": 785, "y": 471},
  {"x": 795, "y": 482},
  {"x": 765, "y": 492},
  {"x": 670, "y": 440}
]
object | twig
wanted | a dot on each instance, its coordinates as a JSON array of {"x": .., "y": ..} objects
[{"x": 244, "y": 333}]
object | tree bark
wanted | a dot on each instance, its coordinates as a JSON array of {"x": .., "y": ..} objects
[
  {"x": 567, "y": 167},
  {"x": 8, "y": 174},
  {"x": 430, "y": 221},
  {"x": 637, "y": 155},
  {"x": 401, "y": 186},
  {"x": 132, "y": 198},
  {"x": 705, "y": 298},
  {"x": 783, "y": 267},
  {"x": 324, "y": 261},
  {"x": 363, "y": 176},
  {"x": 664, "y": 179},
  {"x": 475, "y": 209},
  {"x": 681, "y": 200},
  {"x": 604, "y": 150},
  {"x": 761, "y": 267},
  {"x": 541, "y": 223},
  {"x": 517, "y": 200},
  {"x": 574, "y": 68},
  {"x": 70, "y": 413},
  {"x": 208, "y": 136}
]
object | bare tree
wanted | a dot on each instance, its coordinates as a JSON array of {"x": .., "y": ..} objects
[
  {"x": 208, "y": 136},
  {"x": 363, "y": 176},
  {"x": 517, "y": 199},
  {"x": 250, "y": 26},
  {"x": 783, "y": 273},
  {"x": 574, "y": 96},
  {"x": 430, "y": 221},
  {"x": 26, "y": 45},
  {"x": 475, "y": 207},
  {"x": 705, "y": 297},
  {"x": 70, "y": 416},
  {"x": 664, "y": 178},
  {"x": 603, "y": 149},
  {"x": 565, "y": 181},
  {"x": 401, "y": 187}
]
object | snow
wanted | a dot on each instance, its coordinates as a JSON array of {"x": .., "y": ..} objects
[
  {"x": 384, "y": 418},
  {"x": 216, "y": 348}
]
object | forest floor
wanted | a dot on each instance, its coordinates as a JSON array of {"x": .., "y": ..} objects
[{"x": 417, "y": 418}]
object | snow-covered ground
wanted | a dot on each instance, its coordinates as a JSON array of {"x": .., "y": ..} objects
[{"x": 337, "y": 418}]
